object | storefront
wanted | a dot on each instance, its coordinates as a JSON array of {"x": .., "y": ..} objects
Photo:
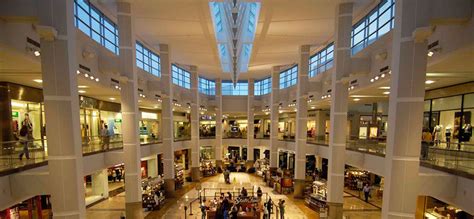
[
  {"x": 287, "y": 126},
  {"x": 449, "y": 120},
  {"x": 149, "y": 125},
  {"x": 207, "y": 127},
  {"x": 262, "y": 127},
  {"x": 235, "y": 128},
  {"x": 431, "y": 208},
  {"x": 16, "y": 102},
  {"x": 36, "y": 207},
  {"x": 182, "y": 126}
]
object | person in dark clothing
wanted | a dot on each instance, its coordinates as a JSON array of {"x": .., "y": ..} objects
[
  {"x": 270, "y": 206},
  {"x": 234, "y": 212},
  {"x": 229, "y": 195},
  {"x": 366, "y": 190},
  {"x": 259, "y": 193},
  {"x": 243, "y": 192}
]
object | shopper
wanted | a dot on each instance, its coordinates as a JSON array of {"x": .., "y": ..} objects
[
  {"x": 229, "y": 195},
  {"x": 243, "y": 192},
  {"x": 281, "y": 205},
  {"x": 26, "y": 134},
  {"x": 270, "y": 205},
  {"x": 118, "y": 174},
  {"x": 234, "y": 212},
  {"x": 259, "y": 193},
  {"x": 266, "y": 213},
  {"x": 203, "y": 210},
  {"x": 105, "y": 137},
  {"x": 366, "y": 192}
]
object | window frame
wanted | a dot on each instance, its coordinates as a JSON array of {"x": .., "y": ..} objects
[
  {"x": 107, "y": 34},
  {"x": 263, "y": 86},
  {"x": 322, "y": 60},
  {"x": 181, "y": 77},
  {"x": 206, "y": 86},
  {"x": 288, "y": 77},
  {"x": 229, "y": 90},
  {"x": 148, "y": 59}
]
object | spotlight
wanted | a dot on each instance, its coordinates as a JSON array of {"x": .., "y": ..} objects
[
  {"x": 372, "y": 80},
  {"x": 430, "y": 53},
  {"x": 86, "y": 75},
  {"x": 37, "y": 53},
  {"x": 97, "y": 79}
]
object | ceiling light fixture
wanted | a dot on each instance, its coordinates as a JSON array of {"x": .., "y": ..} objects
[
  {"x": 386, "y": 92},
  {"x": 429, "y": 82},
  {"x": 356, "y": 99},
  {"x": 81, "y": 91},
  {"x": 384, "y": 88},
  {"x": 82, "y": 86},
  {"x": 39, "y": 81},
  {"x": 112, "y": 98}
]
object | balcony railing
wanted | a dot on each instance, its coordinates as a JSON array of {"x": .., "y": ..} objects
[{"x": 10, "y": 161}]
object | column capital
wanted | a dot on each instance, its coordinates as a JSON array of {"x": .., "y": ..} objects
[{"x": 164, "y": 48}]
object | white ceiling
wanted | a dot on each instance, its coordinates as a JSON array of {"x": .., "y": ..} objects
[{"x": 284, "y": 25}]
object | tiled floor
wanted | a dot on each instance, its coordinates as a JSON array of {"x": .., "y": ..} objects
[{"x": 174, "y": 207}]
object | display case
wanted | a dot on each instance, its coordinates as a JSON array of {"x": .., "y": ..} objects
[
  {"x": 150, "y": 188},
  {"x": 179, "y": 176},
  {"x": 317, "y": 199},
  {"x": 208, "y": 168},
  {"x": 261, "y": 166}
]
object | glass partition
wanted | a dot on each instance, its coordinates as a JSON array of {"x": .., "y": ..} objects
[
  {"x": 149, "y": 127},
  {"x": 182, "y": 126},
  {"x": 287, "y": 127}
]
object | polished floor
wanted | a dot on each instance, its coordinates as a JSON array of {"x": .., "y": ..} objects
[{"x": 113, "y": 207}]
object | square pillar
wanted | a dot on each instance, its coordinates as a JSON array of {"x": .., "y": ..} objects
[
  {"x": 301, "y": 121},
  {"x": 405, "y": 114},
  {"x": 100, "y": 183},
  {"x": 195, "y": 172},
  {"x": 167, "y": 120},
  {"x": 250, "y": 124},
  {"x": 129, "y": 107},
  {"x": 218, "y": 149},
  {"x": 61, "y": 104},
  {"x": 274, "y": 114},
  {"x": 338, "y": 116}
]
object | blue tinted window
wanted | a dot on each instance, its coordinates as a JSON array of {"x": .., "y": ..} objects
[
  {"x": 96, "y": 25},
  {"x": 288, "y": 77},
  {"x": 241, "y": 88},
  {"x": 181, "y": 77},
  {"x": 374, "y": 25},
  {"x": 321, "y": 61},
  {"x": 263, "y": 87},
  {"x": 207, "y": 87},
  {"x": 147, "y": 60}
]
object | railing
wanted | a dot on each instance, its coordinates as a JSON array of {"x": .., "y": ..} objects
[
  {"x": 451, "y": 160},
  {"x": 207, "y": 137},
  {"x": 318, "y": 139},
  {"x": 38, "y": 153},
  {"x": 182, "y": 138}
]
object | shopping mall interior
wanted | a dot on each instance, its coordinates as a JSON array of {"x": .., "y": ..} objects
[{"x": 237, "y": 109}]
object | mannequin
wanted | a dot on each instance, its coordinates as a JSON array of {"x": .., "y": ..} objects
[
  {"x": 448, "y": 136},
  {"x": 437, "y": 134}
]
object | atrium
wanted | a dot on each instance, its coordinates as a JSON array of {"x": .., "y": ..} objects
[{"x": 248, "y": 109}]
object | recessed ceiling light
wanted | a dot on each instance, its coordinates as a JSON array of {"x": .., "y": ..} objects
[
  {"x": 82, "y": 86},
  {"x": 37, "y": 53},
  {"x": 430, "y": 53},
  {"x": 429, "y": 81},
  {"x": 313, "y": 107},
  {"x": 384, "y": 88},
  {"x": 112, "y": 98},
  {"x": 386, "y": 92},
  {"x": 356, "y": 99},
  {"x": 81, "y": 91},
  {"x": 78, "y": 72},
  {"x": 38, "y": 81}
]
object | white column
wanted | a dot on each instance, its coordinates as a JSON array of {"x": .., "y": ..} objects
[
  {"x": 339, "y": 99},
  {"x": 61, "y": 103},
  {"x": 405, "y": 114},
  {"x": 152, "y": 165},
  {"x": 250, "y": 125},
  {"x": 100, "y": 183},
  {"x": 218, "y": 149},
  {"x": 195, "y": 172},
  {"x": 129, "y": 107},
  {"x": 274, "y": 114},
  {"x": 301, "y": 121},
  {"x": 167, "y": 120}
]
